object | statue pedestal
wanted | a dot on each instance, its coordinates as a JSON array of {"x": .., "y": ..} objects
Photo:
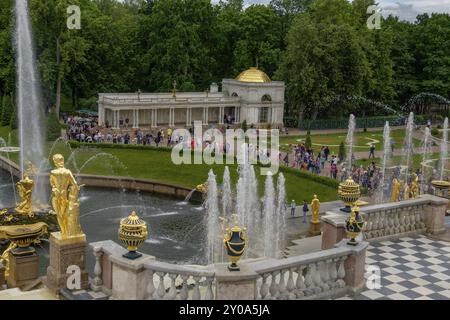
[
  {"x": 65, "y": 253},
  {"x": 315, "y": 229},
  {"x": 22, "y": 270},
  {"x": 2, "y": 275}
]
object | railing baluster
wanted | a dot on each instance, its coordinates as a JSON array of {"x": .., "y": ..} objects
[{"x": 150, "y": 286}]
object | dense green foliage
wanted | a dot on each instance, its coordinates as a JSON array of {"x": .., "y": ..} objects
[
  {"x": 331, "y": 62},
  {"x": 7, "y": 110}
]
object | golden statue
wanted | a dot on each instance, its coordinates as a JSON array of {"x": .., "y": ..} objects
[
  {"x": 406, "y": 192},
  {"x": 395, "y": 190},
  {"x": 25, "y": 189},
  {"x": 315, "y": 207},
  {"x": 415, "y": 186},
  {"x": 5, "y": 257},
  {"x": 65, "y": 199},
  {"x": 3, "y": 212}
]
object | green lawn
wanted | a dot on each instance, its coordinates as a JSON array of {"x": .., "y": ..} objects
[
  {"x": 363, "y": 140},
  {"x": 158, "y": 166},
  {"x": 397, "y": 160}
]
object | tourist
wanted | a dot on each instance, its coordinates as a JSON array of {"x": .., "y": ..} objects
[
  {"x": 293, "y": 208},
  {"x": 305, "y": 210},
  {"x": 372, "y": 152}
]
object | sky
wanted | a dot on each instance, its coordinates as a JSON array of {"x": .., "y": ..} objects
[{"x": 404, "y": 9}]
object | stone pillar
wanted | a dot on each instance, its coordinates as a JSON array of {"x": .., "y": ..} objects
[
  {"x": 187, "y": 116},
  {"x": 22, "y": 269},
  {"x": 130, "y": 277},
  {"x": 221, "y": 112},
  {"x": 236, "y": 285},
  {"x": 156, "y": 117},
  {"x": 63, "y": 254},
  {"x": 333, "y": 228},
  {"x": 435, "y": 214},
  {"x": 355, "y": 266}
]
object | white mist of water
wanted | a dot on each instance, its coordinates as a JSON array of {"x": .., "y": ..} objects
[
  {"x": 426, "y": 172},
  {"x": 350, "y": 140},
  {"x": 269, "y": 216},
  {"x": 212, "y": 216},
  {"x": 408, "y": 148},
  {"x": 29, "y": 102},
  {"x": 281, "y": 228},
  {"x": 444, "y": 150},
  {"x": 387, "y": 154},
  {"x": 227, "y": 200}
]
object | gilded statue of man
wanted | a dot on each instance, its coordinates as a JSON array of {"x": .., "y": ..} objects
[
  {"x": 65, "y": 199},
  {"x": 315, "y": 207},
  {"x": 395, "y": 190},
  {"x": 415, "y": 186},
  {"x": 25, "y": 189}
]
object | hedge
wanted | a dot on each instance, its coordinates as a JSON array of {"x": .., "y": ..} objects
[{"x": 311, "y": 176}]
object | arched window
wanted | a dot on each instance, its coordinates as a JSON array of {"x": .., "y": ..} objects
[
  {"x": 266, "y": 98},
  {"x": 234, "y": 94}
]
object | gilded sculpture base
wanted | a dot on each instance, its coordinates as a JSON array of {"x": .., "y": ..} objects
[
  {"x": 315, "y": 229},
  {"x": 63, "y": 254},
  {"x": 23, "y": 269}
]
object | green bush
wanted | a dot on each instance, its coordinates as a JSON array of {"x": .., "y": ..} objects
[
  {"x": 308, "y": 142},
  {"x": 435, "y": 132},
  {"x": 53, "y": 127},
  {"x": 244, "y": 125},
  {"x": 13, "y": 121}
]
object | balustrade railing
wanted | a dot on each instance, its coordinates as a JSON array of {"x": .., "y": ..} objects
[{"x": 310, "y": 276}]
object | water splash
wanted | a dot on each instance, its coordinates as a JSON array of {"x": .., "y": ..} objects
[
  {"x": 269, "y": 216},
  {"x": 426, "y": 174},
  {"x": 281, "y": 228},
  {"x": 227, "y": 201}
]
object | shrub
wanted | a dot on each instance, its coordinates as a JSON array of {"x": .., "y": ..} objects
[
  {"x": 308, "y": 142},
  {"x": 435, "y": 132},
  {"x": 13, "y": 121}
]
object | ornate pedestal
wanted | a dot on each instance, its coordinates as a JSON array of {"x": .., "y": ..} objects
[
  {"x": 2, "y": 276},
  {"x": 22, "y": 269},
  {"x": 65, "y": 253},
  {"x": 315, "y": 229}
]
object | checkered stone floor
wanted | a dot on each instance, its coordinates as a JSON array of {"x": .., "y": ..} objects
[
  {"x": 83, "y": 295},
  {"x": 411, "y": 268}
]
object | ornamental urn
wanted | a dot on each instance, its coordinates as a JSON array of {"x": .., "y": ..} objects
[
  {"x": 349, "y": 192},
  {"x": 23, "y": 236},
  {"x": 441, "y": 188},
  {"x": 235, "y": 242},
  {"x": 133, "y": 233},
  {"x": 354, "y": 226}
]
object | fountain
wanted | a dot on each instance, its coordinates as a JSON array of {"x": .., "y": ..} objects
[
  {"x": 444, "y": 150},
  {"x": 212, "y": 219},
  {"x": 426, "y": 172},
  {"x": 349, "y": 141},
  {"x": 387, "y": 154},
  {"x": 408, "y": 147},
  {"x": 29, "y": 106}
]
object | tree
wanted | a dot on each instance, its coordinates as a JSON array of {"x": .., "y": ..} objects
[
  {"x": 53, "y": 127},
  {"x": 13, "y": 121},
  {"x": 7, "y": 110}
]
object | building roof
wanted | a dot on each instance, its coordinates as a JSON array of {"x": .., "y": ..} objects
[{"x": 253, "y": 75}]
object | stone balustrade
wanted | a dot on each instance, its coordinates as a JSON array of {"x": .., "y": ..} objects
[
  {"x": 324, "y": 274},
  {"x": 424, "y": 215}
]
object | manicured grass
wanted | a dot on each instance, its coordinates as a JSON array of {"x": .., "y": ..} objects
[
  {"x": 397, "y": 160},
  {"x": 363, "y": 140}
]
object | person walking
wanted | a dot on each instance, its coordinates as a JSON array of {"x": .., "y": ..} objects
[
  {"x": 293, "y": 208},
  {"x": 372, "y": 152},
  {"x": 305, "y": 210}
]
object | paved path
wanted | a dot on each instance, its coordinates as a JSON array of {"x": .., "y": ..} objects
[{"x": 412, "y": 268}]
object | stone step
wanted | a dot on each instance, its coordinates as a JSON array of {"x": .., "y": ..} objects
[{"x": 304, "y": 246}]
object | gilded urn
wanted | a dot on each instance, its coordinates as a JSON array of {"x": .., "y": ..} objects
[
  {"x": 133, "y": 233},
  {"x": 349, "y": 192},
  {"x": 23, "y": 236},
  {"x": 354, "y": 226},
  {"x": 441, "y": 187},
  {"x": 235, "y": 242}
]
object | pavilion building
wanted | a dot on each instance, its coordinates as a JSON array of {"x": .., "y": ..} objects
[{"x": 252, "y": 96}]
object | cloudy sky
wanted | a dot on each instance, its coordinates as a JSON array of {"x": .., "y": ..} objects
[{"x": 405, "y": 9}]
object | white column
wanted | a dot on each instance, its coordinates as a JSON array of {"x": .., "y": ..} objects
[
  {"x": 156, "y": 117},
  {"x": 187, "y": 116},
  {"x": 221, "y": 115},
  {"x": 207, "y": 115},
  {"x": 134, "y": 119}
]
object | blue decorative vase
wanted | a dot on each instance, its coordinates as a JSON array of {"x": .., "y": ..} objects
[{"x": 235, "y": 242}]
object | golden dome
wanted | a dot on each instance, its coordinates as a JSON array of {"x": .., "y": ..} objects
[{"x": 253, "y": 75}]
